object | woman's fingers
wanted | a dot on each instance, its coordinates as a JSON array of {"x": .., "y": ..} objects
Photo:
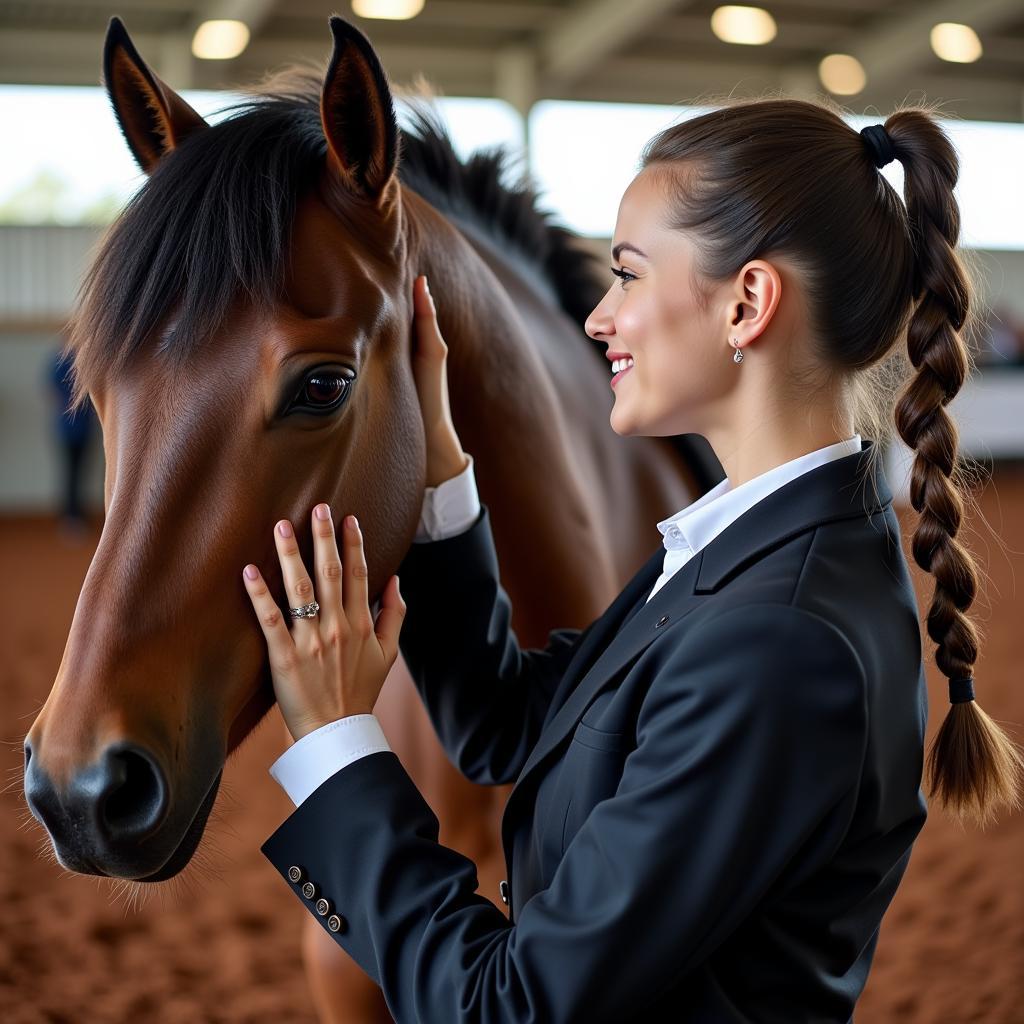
[
  {"x": 430, "y": 368},
  {"x": 430, "y": 363},
  {"x": 279, "y": 639},
  {"x": 297, "y": 582},
  {"x": 354, "y": 586},
  {"x": 327, "y": 563},
  {"x": 429, "y": 342},
  {"x": 389, "y": 621}
]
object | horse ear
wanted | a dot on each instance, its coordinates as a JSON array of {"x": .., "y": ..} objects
[
  {"x": 358, "y": 116},
  {"x": 153, "y": 117}
]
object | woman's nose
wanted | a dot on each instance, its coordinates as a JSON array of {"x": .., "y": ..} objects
[{"x": 600, "y": 324}]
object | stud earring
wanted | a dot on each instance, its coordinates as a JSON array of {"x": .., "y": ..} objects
[{"x": 737, "y": 356}]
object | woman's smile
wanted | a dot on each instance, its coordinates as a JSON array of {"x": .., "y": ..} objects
[
  {"x": 621, "y": 374},
  {"x": 626, "y": 366}
]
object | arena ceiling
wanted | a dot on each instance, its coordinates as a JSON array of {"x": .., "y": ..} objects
[{"x": 651, "y": 51}]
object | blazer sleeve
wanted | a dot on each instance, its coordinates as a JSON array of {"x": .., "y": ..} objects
[
  {"x": 750, "y": 741},
  {"x": 485, "y": 696}
]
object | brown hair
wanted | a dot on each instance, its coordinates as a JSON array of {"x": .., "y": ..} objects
[{"x": 790, "y": 177}]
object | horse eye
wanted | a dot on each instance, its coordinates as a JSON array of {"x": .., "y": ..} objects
[{"x": 323, "y": 390}]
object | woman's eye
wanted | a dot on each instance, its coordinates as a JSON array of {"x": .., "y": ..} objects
[
  {"x": 623, "y": 275},
  {"x": 323, "y": 391}
]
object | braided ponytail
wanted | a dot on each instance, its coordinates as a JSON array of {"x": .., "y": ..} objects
[{"x": 973, "y": 765}]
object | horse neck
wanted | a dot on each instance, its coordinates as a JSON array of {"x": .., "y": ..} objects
[
  {"x": 491, "y": 356},
  {"x": 510, "y": 374}
]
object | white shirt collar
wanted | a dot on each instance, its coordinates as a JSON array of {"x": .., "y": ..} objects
[{"x": 704, "y": 519}]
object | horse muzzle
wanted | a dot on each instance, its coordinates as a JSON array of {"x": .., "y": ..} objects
[{"x": 115, "y": 817}]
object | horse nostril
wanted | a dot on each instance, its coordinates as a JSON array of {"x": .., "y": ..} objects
[{"x": 132, "y": 802}]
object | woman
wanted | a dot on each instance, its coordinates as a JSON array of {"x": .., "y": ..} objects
[{"x": 717, "y": 782}]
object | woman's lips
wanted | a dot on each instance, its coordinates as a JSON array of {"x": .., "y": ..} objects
[{"x": 622, "y": 373}]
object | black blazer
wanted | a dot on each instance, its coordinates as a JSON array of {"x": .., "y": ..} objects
[{"x": 713, "y": 805}]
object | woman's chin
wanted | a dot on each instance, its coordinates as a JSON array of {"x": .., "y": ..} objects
[{"x": 620, "y": 422}]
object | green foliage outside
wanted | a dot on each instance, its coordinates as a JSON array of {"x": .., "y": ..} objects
[{"x": 48, "y": 199}]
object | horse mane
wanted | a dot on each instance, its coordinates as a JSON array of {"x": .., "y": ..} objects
[
  {"x": 484, "y": 189},
  {"x": 213, "y": 221}
]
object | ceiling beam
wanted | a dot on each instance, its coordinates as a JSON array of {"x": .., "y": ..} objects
[
  {"x": 594, "y": 30},
  {"x": 493, "y": 16},
  {"x": 72, "y": 57},
  {"x": 893, "y": 46},
  {"x": 515, "y": 77},
  {"x": 60, "y": 56},
  {"x": 253, "y": 12},
  {"x": 177, "y": 65}
]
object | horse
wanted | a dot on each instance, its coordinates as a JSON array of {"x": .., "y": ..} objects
[{"x": 244, "y": 333}]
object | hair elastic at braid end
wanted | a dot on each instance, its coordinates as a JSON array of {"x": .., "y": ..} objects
[{"x": 961, "y": 690}]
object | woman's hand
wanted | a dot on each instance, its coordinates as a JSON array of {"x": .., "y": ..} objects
[
  {"x": 334, "y": 664},
  {"x": 445, "y": 457}
]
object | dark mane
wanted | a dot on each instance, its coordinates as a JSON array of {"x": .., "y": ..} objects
[
  {"x": 484, "y": 189},
  {"x": 212, "y": 222}
]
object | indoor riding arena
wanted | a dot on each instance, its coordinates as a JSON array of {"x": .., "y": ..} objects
[{"x": 202, "y": 202}]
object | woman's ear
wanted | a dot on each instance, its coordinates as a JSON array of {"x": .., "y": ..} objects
[
  {"x": 358, "y": 118},
  {"x": 152, "y": 116},
  {"x": 756, "y": 296}
]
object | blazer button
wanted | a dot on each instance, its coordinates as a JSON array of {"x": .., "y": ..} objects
[
  {"x": 323, "y": 907},
  {"x": 296, "y": 874},
  {"x": 503, "y": 890},
  {"x": 335, "y": 923},
  {"x": 309, "y": 890},
  {"x": 661, "y": 621}
]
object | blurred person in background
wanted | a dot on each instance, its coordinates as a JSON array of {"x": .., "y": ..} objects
[
  {"x": 73, "y": 431},
  {"x": 1003, "y": 340}
]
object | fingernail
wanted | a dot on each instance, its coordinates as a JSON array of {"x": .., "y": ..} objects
[
  {"x": 426, "y": 284},
  {"x": 322, "y": 512},
  {"x": 251, "y": 572},
  {"x": 284, "y": 528},
  {"x": 352, "y": 522}
]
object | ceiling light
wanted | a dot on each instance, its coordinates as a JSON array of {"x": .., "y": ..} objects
[
  {"x": 394, "y": 10},
  {"x": 955, "y": 42},
  {"x": 220, "y": 40},
  {"x": 753, "y": 26},
  {"x": 842, "y": 74}
]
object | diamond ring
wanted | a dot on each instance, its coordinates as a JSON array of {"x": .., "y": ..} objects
[{"x": 306, "y": 611}]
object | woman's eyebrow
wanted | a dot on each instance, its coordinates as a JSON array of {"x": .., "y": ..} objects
[{"x": 626, "y": 247}]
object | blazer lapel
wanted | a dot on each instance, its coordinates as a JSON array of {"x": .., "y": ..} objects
[
  {"x": 607, "y": 625},
  {"x": 616, "y": 649},
  {"x": 828, "y": 492}
]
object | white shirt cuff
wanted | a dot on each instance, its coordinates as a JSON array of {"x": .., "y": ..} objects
[
  {"x": 449, "y": 508},
  {"x": 312, "y": 760}
]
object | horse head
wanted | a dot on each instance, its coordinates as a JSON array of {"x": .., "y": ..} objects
[{"x": 243, "y": 334}]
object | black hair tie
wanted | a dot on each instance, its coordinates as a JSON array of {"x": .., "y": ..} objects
[
  {"x": 961, "y": 690},
  {"x": 878, "y": 144}
]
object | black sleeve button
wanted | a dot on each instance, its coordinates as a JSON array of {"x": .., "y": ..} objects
[
  {"x": 323, "y": 907},
  {"x": 296, "y": 874},
  {"x": 309, "y": 890},
  {"x": 336, "y": 923}
]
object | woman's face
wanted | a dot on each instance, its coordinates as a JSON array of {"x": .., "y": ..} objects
[{"x": 682, "y": 356}]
